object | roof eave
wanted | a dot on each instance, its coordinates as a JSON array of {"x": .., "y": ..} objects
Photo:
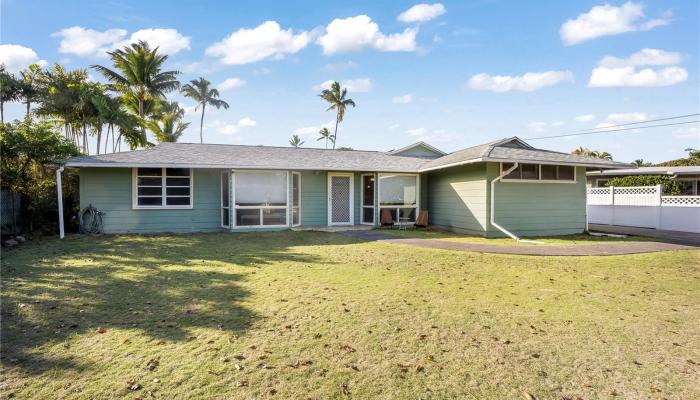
[{"x": 217, "y": 166}]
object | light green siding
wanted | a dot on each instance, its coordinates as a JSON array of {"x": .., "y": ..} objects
[
  {"x": 314, "y": 198},
  {"x": 456, "y": 198},
  {"x": 539, "y": 209},
  {"x": 110, "y": 190}
]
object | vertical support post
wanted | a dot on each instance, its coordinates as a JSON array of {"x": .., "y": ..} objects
[
  {"x": 59, "y": 189},
  {"x": 612, "y": 205},
  {"x": 657, "y": 200}
]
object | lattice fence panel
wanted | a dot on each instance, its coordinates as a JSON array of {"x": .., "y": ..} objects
[
  {"x": 680, "y": 201},
  {"x": 599, "y": 196},
  {"x": 637, "y": 196}
]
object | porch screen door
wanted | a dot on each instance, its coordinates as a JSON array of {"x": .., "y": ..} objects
[{"x": 340, "y": 199}]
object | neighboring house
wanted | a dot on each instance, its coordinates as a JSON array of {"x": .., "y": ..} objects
[
  {"x": 178, "y": 187},
  {"x": 688, "y": 177}
]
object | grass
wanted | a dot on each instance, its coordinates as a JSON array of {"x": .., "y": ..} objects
[
  {"x": 320, "y": 315},
  {"x": 579, "y": 239}
]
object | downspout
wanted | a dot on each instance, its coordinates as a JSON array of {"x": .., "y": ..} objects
[
  {"x": 493, "y": 207},
  {"x": 59, "y": 188}
]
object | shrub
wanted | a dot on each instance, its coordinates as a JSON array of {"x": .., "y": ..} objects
[{"x": 670, "y": 187}]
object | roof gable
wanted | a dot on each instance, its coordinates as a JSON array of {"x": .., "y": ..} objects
[{"x": 418, "y": 149}]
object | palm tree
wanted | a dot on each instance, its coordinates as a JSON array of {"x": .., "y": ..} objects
[
  {"x": 582, "y": 151},
  {"x": 603, "y": 155},
  {"x": 336, "y": 98},
  {"x": 325, "y": 134},
  {"x": 167, "y": 126},
  {"x": 9, "y": 90},
  {"x": 199, "y": 91},
  {"x": 138, "y": 73},
  {"x": 296, "y": 141},
  {"x": 28, "y": 89},
  {"x": 641, "y": 163},
  {"x": 59, "y": 94}
]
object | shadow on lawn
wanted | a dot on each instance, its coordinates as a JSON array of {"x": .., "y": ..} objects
[{"x": 162, "y": 286}]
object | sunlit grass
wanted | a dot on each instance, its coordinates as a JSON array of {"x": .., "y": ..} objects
[{"x": 318, "y": 315}]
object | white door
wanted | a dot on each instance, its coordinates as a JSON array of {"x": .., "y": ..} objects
[{"x": 340, "y": 199}]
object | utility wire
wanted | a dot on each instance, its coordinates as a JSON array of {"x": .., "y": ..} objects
[
  {"x": 607, "y": 129},
  {"x": 633, "y": 123}
]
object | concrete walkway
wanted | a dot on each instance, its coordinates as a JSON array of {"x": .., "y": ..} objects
[
  {"x": 597, "y": 249},
  {"x": 688, "y": 238}
]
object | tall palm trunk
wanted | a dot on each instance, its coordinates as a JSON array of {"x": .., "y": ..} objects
[
  {"x": 29, "y": 106},
  {"x": 2, "y": 112},
  {"x": 337, "y": 120},
  {"x": 201, "y": 124}
]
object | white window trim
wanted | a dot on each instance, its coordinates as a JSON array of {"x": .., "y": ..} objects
[
  {"x": 221, "y": 199},
  {"x": 234, "y": 226},
  {"x": 363, "y": 206},
  {"x": 397, "y": 207},
  {"x": 352, "y": 199},
  {"x": 600, "y": 179},
  {"x": 539, "y": 168},
  {"x": 291, "y": 217},
  {"x": 163, "y": 206}
]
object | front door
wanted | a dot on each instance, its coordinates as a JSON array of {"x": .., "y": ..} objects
[{"x": 340, "y": 199}]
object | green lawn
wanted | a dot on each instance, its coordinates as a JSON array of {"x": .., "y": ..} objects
[
  {"x": 319, "y": 315},
  {"x": 579, "y": 239}
]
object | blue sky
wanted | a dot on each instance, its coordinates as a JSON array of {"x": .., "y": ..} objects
[{"x": 454, "y": 74}]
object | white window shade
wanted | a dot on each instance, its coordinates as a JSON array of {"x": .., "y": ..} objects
[
  {"x": 400, "y": 190},
  {"x": 261, "y": 188}
]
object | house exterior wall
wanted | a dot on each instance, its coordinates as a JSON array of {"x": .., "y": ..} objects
[
  {"x": 538, "y": 209},
  {"x": 457, "y": 198},
  {"x": 110, "y": 190}
]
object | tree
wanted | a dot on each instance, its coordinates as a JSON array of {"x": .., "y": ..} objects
[
  {"x": 9, "y": 90},
  {"x": 325, "y": 134},
  {"x": 167, "y": 126},
  {"x": 296, "y": 141},
  {"x": 692, "y": 160},
  {"x": 335, "y": 96},
  {"x": 199, "y": 90},
  {"x": 345, "y": 148},
  {"x": 29, "y": 152},
  {"x": 138, "y": 73},
  {"x": 670, "y": 186},
  {"x": 28, "y": 85},
  {"x": 641, "y": 163},
  {"x": 582, "y": 151},
  {"x": 59, "y": 91}
]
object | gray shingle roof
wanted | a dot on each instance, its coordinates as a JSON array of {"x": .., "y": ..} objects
[{"x": 266, "y": 157}]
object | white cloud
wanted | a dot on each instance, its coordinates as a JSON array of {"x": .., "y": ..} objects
[
  {"x": 353, "y": 85},
  {"x": 422, "y": 12},
  {"x": 393, "y": 127},
  {"x": 526, "y": 83},
  {"x": 230, "y": 84},
  {"x": 15, "y": 57},
  {"x": 231, "y": 129},
  {"x": 168, "y": 41},
  {"x": 692, "y": 132},
  {"x": 619, "y": 72},
  {"x": 607, "y": 20},
  {"x": 558, "y": 123},
  {"x": 340, "y": 66},
  {"x": 86, "y": 42},
  {"x": 623, "y": 118},
  {"x": 265, "y": 41},
  {"x": 437, "y": 135},
  {"x": 262, "y": 71},
  {"x": 313, "y": 130},
  {"x": 417, "y": 131},
  {"x": 537, "y": 127},
  {"x": 359, "y": 33},
  {"x": 584, "y": 118},
  {"x": 404, "y": 99}
]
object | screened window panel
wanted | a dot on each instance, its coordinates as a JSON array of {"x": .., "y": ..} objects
[
  {"x": 177, "y": 201},
  {"x": 368, "y": 215},
  {"x": 515, "y": 174},
  {"x": 150, "y": 191},
  {"x": 177, "y": 172},
  {"x": 398, "y": 189},
  {"x": 149, "y": 181},
  {"x": 150, "y": 201},
  {"x": 248, "y": 217},
  {"x": 566, "y": 172},
  {"x": 368, "y": 190},
  {"x": 529, "y": 171},
  {"x": 295, "y": 216},
  {"x": 225, "y": 217},
  {"x": 261, "y": 188},
  {"x": 274, "y": 216},
  {"x": 549, "y": 172},
  {"x": 177, "y": 181},
  {"x": 225, "y": 198},
  {"x": 177, "y": 191},
  {"x": 295, "y": 190},
  {"x": 149, "y": 172},
  {"x": 407, "y": 214}
]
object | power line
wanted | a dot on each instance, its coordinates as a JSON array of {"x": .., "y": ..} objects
[{"x": 606, "y": 130}]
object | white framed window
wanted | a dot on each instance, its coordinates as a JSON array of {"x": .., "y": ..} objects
[
  {"x": 368, "y": 187},
  {"x": 162, "y": 188},
  {"x": 226, "y": 199},
  {"x": 260, "y": 198},
  {"x": 398, "y": 194},
  {"x": 544, "y": 173},
  {"x": 296, "y": 199}
]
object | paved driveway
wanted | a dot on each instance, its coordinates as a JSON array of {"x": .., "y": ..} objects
[{"x": 597, "y": 249}]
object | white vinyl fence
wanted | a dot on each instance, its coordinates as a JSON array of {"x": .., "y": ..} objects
[{"x": 643, "y": 206}]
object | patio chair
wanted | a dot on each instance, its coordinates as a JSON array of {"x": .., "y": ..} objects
[
  {"x": 386, "y": 219},
  {"x": 422, "y": 220}
]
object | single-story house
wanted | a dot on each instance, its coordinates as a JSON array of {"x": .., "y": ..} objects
[
  {"x": 687, "y": 176},
  {"x": 494, "y": 189}
]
